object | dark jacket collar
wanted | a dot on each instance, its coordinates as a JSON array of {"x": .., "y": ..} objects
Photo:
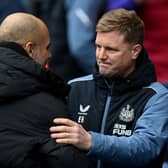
[
  {"x": 143, "y": 75},
  {"x": 14, "y": 46},
  {"x": 21, "y": 76}
]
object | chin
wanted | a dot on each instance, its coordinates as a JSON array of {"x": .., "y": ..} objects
[{"x": 104, "y": 74}]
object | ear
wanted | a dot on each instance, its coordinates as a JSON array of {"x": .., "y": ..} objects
[
  {"x": 136, "y": 50},
  {"x": 29, "y": 48}
]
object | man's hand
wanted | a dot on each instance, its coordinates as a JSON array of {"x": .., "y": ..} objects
[{"x": 70, "y": 132}]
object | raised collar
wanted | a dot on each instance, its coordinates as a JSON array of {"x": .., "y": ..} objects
[{"x": 14, "y": 46}]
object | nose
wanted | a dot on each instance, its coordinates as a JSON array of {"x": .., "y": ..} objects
[
  {"x": 102, "y": 53},
  {"x": 49, "y": 54}
]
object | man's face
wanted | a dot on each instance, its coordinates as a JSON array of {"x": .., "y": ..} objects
[
  {"x": 41, "y": 51},
  {"x": 113, "y": 55}
]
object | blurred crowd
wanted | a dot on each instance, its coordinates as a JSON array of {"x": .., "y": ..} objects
[{"x": 72, "y": 27}]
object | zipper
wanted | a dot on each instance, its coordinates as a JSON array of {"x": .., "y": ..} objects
[{"x": 105, "y": 114}]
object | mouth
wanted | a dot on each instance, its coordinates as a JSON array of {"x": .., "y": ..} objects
[
  {"x": 46, "y": 66},
  {"x": 103, "y": 63}
]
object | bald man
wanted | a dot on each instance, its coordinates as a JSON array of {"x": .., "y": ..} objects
[
  {"x": 30, "y": 97},
  {"x": 28, "y": 31}
]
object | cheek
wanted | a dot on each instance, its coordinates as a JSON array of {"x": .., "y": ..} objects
[
  {"x": 96, "y": 53},
  {"x": 39, "y": 56},
  {"x": 38, "y": 52},
  {"x": 48, "y": 54},
  {"x": 97, "y": 57}
]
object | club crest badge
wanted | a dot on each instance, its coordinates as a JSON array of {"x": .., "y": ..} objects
[{"x": 127, "y": 114}]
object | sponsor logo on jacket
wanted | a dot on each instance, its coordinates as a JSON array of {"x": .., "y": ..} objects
[
  {"x": 126, "y": 115},
  {"x": 121, "y": 130},
  {"x": 83, "y": 112}
]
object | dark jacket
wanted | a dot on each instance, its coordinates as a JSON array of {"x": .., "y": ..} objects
[
  {"x": 133, "y": 109},
  {"x": 30, "y": 98}
]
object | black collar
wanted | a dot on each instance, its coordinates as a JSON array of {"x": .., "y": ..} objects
[{"x": 14, "y": 46}]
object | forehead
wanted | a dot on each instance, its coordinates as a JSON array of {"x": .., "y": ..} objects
[
  {"x": 110, "y": 37},
  {"x": 45, "y": 34}
]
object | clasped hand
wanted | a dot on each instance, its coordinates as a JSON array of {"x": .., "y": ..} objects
[{"x": 67, "y": 131}]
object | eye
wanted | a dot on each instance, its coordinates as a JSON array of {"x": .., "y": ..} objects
[
  {"x": 48, "y": 47},
  {"x": 98, "y": 46},
  {"x": 111, "y": 50}
]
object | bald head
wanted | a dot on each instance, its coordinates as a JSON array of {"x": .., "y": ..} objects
[
  {"x": 28, "y": 31},
  {"x": 21, "y": 27}
]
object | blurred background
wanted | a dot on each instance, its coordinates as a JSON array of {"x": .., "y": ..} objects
[{"x": 72, "y": 28}]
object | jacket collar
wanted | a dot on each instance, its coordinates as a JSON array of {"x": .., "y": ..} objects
[
  {"x": 21, "y": 76},
  {"x": 14, "y": 46}
]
